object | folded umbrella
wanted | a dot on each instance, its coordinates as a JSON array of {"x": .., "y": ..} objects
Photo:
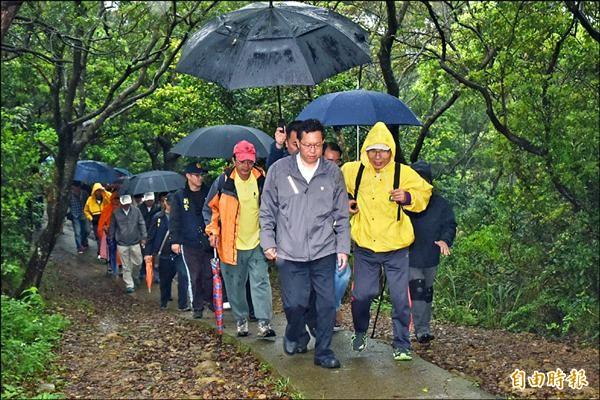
[
  {"x": 217, "y": 293},
  {"x": 149, "y": 272}
]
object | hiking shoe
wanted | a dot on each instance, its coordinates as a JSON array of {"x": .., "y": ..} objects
[
  {"x": 197, "y": 314},
  {"x": 265, "y": 330},
  {"x": 359, "y": 341},
  {"x": 185, "y": 309},
  {"x": 129, "y": 290},
  {"x": 402, "y": 355},
  {"x": 426, "y": 338},
  {"x": 242, "y": 327},
  {"x": 226, "y": 306}
]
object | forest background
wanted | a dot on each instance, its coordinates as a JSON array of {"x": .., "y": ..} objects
[{"x": 508, "y": 93}]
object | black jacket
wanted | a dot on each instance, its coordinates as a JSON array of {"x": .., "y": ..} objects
[
  {"x": 149, "y": 214},
  {"x": 186, "y": 223},
  {"x": 437, "y": 222},
  {"x": 157, "y": 229}
]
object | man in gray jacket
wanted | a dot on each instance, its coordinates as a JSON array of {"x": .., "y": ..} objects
[
  {"x": 128, "y": 229},
  {"x": 304, "y": 228}
]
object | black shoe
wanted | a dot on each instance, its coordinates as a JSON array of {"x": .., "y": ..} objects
[
  {"x": 197, "y": 314},
  {"x": 328, "y": 362},
  {"x": 210, "y": 306},
  {"x": 185, "y": 309},
  {"x": 162, "y": 307},
  {"x": 291, "y": 348},
  {"x": 426, "y": 338}
]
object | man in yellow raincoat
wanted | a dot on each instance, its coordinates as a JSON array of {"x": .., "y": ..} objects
[{"x": 382, "y": 233}]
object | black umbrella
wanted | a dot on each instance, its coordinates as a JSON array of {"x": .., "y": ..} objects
[
  {"x": 218, "y": 141},
  {"x": 262, "y": 44},
  {"x": 90, "y": 171},
  {"x": 152, "y": 181}
]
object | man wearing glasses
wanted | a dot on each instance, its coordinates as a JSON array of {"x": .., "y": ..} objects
[
  {"x": 303, "y": 200},
  {"x": 382, "y": 233},
  {"x": 231, "y": 216}
]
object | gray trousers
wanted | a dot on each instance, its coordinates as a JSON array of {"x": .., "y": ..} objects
[
  {"x": 421, "y": 293},
  {"x": 250, "y": 264}
]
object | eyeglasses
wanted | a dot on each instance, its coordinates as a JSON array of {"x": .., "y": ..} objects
[
  {"x": 312, "y": 146},
  {"x": 248, "y": 163},
  {"x": 378, "y": 152}
]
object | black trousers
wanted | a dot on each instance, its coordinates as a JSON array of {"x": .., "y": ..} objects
[
  {"x": 197, "y": 263},
  {"x": 166, "y": 271}
]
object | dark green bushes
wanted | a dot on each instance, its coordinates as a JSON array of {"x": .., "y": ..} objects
[{"x": 28, "y": 337}]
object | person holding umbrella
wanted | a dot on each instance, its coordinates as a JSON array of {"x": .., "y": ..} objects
[
  {"x": 382, "y": 233},
  {"x": 305, "y": 229},
  {"x": 286, "y": 142},
  {"x": 232, "y": 225},
  {"x": 159, "y": 249},
  {"x": 94, "y": 205},
  {"x": 188, "y": 237}
]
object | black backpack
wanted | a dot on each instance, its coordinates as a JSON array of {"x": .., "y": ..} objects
[{"x": 396, "y": 182}]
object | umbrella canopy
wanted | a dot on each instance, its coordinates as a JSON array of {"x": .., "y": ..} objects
[
  {"x": 153, "y": 181},
  {"x": 90, "y": 171},
  {"x": 217, "y": 292},
  {"x": 359, "y": 107},
  {"x": 122, "y": 172},
  {"x": 218, "y": 141},
  {"x": 262, "y": 44}
]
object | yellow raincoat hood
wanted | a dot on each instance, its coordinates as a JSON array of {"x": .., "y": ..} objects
[{"x": 376, "y": 225}]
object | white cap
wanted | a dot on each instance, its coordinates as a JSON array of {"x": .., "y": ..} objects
[
  {"x": 378, "y": 146},
  {"x": 125, "y": 199},
  {"x": 148, "y": 196}
]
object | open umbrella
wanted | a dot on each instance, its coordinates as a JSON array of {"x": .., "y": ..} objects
[
  {"x": 149, "y": 272},
  {"x": 266, "y": 44},
  {"x": 218, "y": 141},
  {"x": 122, "y": 172},
  {"x": 90, "y": 171},
  {"x": 359, "y": 107},
  {"x": 217, "y": 293},
  {"x": 153, "y": 181}
]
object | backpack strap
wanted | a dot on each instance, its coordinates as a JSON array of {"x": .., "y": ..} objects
[
  {"x": 357, "y": 181},
  {"x": 397, "y": 184}
]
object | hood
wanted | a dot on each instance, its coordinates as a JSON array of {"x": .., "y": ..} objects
[
  {"x": 96, "y": 187},
  {"x": 379, "y": 133}
]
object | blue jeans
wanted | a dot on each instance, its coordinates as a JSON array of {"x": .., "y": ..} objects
[
  {"x": 367, "y": 270},
  {"x": 297, "y": 279},
  {"x": 80, "y": 229}
]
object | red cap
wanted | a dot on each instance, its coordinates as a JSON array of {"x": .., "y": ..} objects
[{"x": 244, "y": 150}]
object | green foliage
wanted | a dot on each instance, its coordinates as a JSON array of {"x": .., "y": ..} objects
[{"x": 29, "y": 334}]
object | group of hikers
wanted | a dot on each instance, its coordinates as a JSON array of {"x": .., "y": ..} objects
[{"x": 305, "y": 216}]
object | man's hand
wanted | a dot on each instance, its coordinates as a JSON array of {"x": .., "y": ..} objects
[
  {"x": 398, "y": 195},
  {"x": 213, "y": 240},
  {"x": 342, "y": 260},
  {"x": 280, "y": 137},
  {"x": 271, "y": 253},
  {"x": 143, "y": 242},
  {"x": 176, "y": 248},
  {"x": 353, "y": 206},
  {"x": 444, "y": 249}
]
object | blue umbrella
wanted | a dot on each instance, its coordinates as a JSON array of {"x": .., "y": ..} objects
[
  {"x": 122, "y": 172},
  {"x": 359, "y": 107},
  {"x": 90, "y": 171}
]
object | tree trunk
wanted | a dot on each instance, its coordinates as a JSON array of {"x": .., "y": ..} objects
[
  {"x": 9, "y": 10},
  {"x": 44, "y": 245}
]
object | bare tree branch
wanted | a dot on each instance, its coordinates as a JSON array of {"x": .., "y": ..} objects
[{"x": 576, "y": 8}]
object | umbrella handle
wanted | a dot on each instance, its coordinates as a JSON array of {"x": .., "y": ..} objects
[{"x": 215, "y": 252}]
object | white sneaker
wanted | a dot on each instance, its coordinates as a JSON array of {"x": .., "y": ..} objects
[
  {"x": 265, "y": 330},
  {"x": 226, "y": 306}
]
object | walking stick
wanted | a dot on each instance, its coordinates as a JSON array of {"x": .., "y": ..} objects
[{"x": 378, "y": 306}]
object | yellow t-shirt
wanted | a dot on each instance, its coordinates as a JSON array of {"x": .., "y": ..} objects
[{"x": 249, "y": 229}]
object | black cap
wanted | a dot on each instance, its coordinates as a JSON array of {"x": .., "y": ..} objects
[{"x": 195, "y": 168}]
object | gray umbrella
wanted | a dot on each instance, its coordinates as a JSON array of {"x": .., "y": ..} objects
[
  {"x": 218, "y": 141},
  {"x": 262, "y": 45},
  {"x": 152, "y": 181}
]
